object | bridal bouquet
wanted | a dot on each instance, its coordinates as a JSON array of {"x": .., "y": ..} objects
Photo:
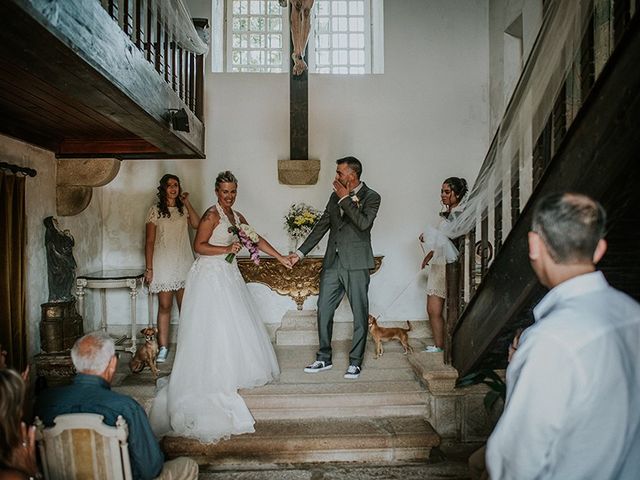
[
  {"x": 249, "y": 239},
  {"x": 300, "y": 219}
]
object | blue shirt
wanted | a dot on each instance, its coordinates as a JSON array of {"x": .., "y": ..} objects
[{"x": 92, "y": 394}]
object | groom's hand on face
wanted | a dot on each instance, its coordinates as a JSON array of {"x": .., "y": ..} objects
[{"x": 340, "y": 189}]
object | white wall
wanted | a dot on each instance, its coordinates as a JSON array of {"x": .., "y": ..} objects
[
  {"x": 503, "y": 77},
  {"x": 40, "y": 202},
  {"x": 425, "y": 118}
]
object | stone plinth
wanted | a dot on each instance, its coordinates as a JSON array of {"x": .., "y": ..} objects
[
  {"x": 455, "y": 413},
  {"x": 298, "y": 172}
]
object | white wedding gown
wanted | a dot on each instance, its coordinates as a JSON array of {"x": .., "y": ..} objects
[{"x": 223, "y": 345}]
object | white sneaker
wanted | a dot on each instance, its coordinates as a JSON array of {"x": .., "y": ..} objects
[
  {"x": 352, "y": 372},
  {"x": 162, "y": 355},
  {"x": 433, "y": 349},
  {"x": 318, "y": 366}
]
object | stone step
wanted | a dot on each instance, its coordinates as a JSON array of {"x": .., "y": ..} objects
[
  {"x": 387, "y": 386},
  {"x": 302, "y": 330},
  {"x": 391, "y": 439},
  {"x": 298, "y": 356},
  {"x": 336, "y": 400},
  {"x": 445, "y": 470}
]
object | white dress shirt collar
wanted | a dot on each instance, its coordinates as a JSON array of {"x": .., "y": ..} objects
[{"x": 580, "y": 285}]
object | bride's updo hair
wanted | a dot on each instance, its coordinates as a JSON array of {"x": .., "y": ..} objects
[
  {"x": 458, "y": 185},
  {"x": 225, "y": 177}
]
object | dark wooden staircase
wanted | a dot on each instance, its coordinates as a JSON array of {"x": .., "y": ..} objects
[{"x": 597, "y": 154}]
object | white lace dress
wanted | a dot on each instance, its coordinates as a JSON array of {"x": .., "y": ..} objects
[
  {"x": 444, "y": 251},
  {"x": 172, "y": 254},
  {"x": 223, "y": 345}
]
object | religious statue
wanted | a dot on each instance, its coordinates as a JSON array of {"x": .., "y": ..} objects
[
  {"x": 300, "y": 28},
  {"x": 60, "y": 262}
]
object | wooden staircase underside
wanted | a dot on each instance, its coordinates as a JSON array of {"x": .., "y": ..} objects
[
  {"x": 71, "y": 81},
  {"x": 600, "y": 156}
]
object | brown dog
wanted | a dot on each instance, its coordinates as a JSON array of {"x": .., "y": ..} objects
[
  {"x": 382, "y": 334},
  {"x": 147, "y": 353}
]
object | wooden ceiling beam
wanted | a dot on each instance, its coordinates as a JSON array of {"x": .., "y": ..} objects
[{"x": 80, "y": 51}]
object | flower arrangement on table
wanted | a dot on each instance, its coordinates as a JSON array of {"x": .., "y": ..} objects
[
  {"x": 300, "y": 220},
  {"x": 249, "y": 239}
]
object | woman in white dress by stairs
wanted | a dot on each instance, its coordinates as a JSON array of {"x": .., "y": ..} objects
[{"x": 223, "y": 344}]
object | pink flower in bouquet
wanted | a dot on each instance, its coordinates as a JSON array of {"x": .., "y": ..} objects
[{"x": 249, "y": 239}]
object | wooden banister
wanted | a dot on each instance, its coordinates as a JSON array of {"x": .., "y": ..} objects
[{"x": 154, "y": 32}]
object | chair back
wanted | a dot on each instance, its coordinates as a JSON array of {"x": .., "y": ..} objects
[{"x": 79, "y": 446}]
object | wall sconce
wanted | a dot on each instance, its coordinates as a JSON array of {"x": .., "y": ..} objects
[{"x": 179, "y": 120}]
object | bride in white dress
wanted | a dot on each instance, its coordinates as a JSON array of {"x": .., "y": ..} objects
[{"x": 223, "y": 344}]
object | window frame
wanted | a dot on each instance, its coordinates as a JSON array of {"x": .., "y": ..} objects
[
  {"x": 229, "y": 47},
  {"x": 221, "y": 59},
  {"x": 368, "y": 47}
]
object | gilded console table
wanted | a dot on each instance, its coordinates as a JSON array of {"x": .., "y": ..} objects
[{"x": 299, "y": 283}]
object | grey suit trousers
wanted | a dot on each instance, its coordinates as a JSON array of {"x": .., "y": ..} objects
[{"x": 335, "y": 282}]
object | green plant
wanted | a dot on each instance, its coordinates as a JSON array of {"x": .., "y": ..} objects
[{"x": 497, "y": 387}]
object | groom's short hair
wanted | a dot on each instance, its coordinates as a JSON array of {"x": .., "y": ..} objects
[{"x": 354, "y": 164}]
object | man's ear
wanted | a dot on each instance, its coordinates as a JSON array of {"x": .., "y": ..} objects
[
  {"x": 600, "y": 250},
  {"x": 535, "y": 246},
  {"x": 113, "y": 364}
]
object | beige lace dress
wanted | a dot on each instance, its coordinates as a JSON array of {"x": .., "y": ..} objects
[{"x": 172, "y": 254}]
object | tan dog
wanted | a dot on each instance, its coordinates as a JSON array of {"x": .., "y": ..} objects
[
  {"x": 382, "y": 334},
  {"x": 147, "y": 353}
]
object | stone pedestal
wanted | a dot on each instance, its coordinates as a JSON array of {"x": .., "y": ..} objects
[
  {"x": 60, "y": 326},
  {"x": 456, "y": 413}
]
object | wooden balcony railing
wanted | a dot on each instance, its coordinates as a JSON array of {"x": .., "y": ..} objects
[
  {"x": 561, "y": 70},
  {"x": 169, "y": 40}
]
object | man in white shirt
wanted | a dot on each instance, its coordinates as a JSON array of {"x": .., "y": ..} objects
[{"x": 573, "y": 385}]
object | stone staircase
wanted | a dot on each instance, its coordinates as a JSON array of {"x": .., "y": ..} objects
[{"x": 303, "y": 418}]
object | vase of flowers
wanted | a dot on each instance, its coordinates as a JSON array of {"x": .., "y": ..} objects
[{"x": 298, "y": 222}]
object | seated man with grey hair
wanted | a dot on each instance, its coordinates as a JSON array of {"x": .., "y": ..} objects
[
  {"x": 94, "y": 358},
  {"x": 573, "y": 382}
]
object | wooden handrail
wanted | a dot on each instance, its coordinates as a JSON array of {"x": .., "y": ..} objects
[
  {"x": 154, "y": 32},
  {"x": 480, "y": 245}
]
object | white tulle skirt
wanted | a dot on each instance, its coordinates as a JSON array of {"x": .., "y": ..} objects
[{"x": 223, "y": 345}]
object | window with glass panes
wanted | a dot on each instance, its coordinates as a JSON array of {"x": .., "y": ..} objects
[
  {"x": 259, "y": 38},
  {"x": 258, "y": 31},
  {"x": 341, "y": 37}
]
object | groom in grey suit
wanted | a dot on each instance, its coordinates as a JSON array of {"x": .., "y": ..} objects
[{"x": 348, "y": 217}]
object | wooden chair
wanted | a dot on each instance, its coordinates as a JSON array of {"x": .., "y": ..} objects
[{"x": 80, "y": 446}]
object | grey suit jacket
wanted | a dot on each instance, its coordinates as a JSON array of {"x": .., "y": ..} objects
[{"x": 349, "y": 234}]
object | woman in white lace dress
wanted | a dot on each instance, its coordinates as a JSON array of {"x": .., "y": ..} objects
[
  {"x": 223, "y": 344},
  {"x": 168, "y": 253},
  {"x": 441, "y": 251}
]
